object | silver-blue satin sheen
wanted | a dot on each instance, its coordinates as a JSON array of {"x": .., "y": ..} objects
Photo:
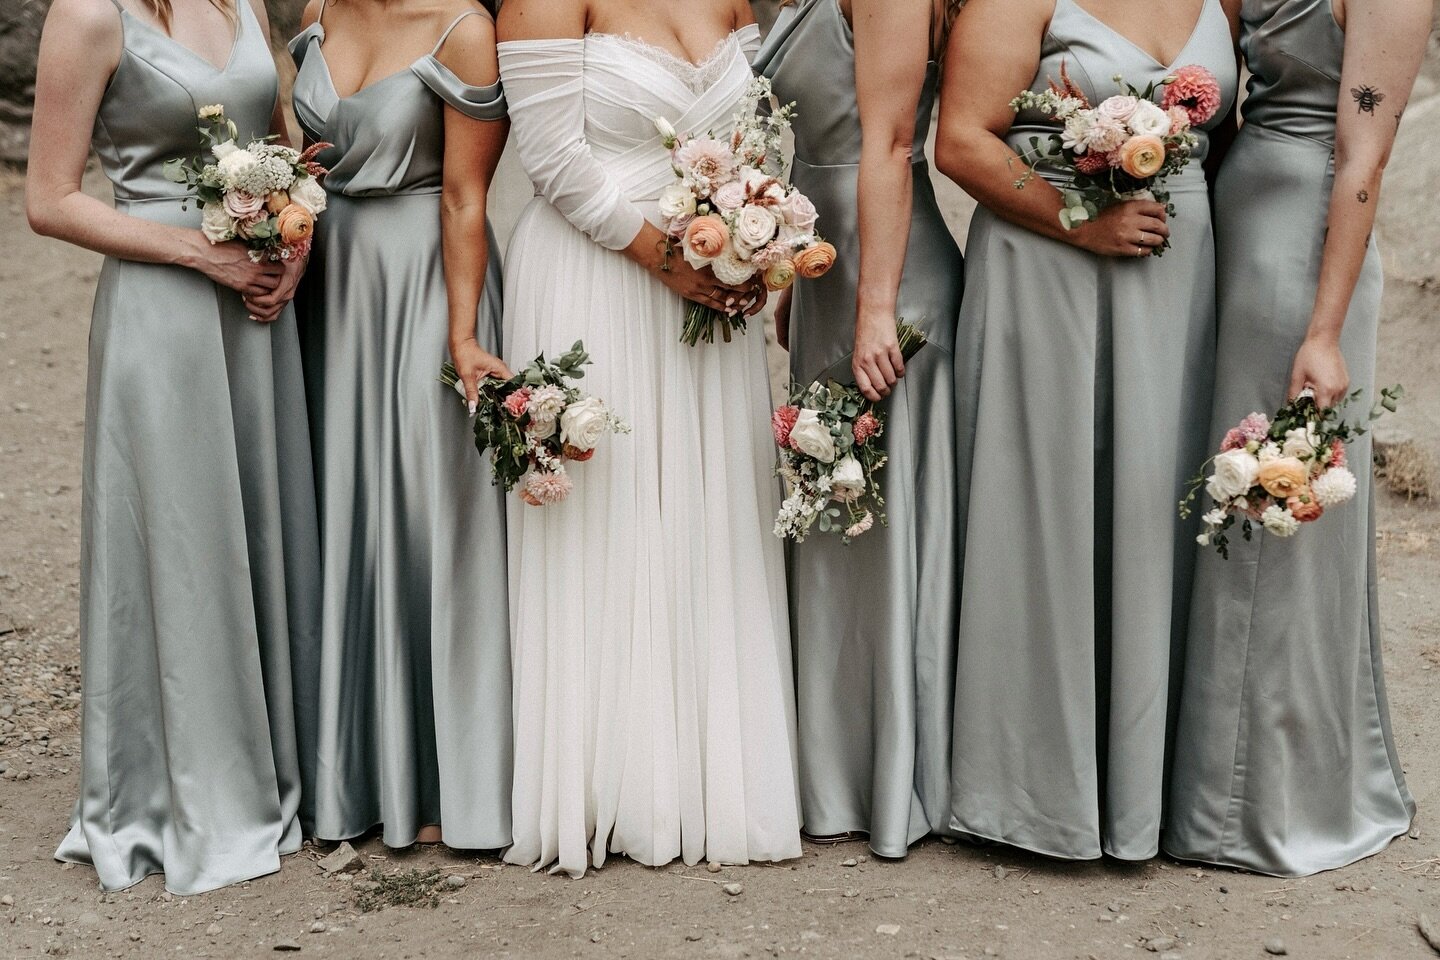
[
  {"x": 414, "y": 724},
  {"x": 1285, "y": 761},
  {"x": 199, "y": 562},
  {"x": 874, "y": 622},
  {"x": 1094, "y": 380}
]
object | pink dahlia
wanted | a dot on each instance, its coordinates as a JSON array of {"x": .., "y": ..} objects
[
  {"x": 866, "y": 426},
  {"x": 1194, "y": 88},
  {"x": 544, "y": 489},
  {"x": 782, "y": 422},
  {"x": 517, "y": 403},
  {"x": 1092, "y": 163}
]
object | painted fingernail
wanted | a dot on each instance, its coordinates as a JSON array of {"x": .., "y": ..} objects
[{"x": 473, "y": 406}]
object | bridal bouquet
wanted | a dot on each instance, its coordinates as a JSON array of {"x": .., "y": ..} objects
[
  {"x": 1123, "y": 149},
  {"x": 828, "y": 456},
  {"x": 734, "y": 211},
  {"x": 263, "y": 194},
  {"x": 1281, "y": 472},
  {"x": 536, "y": 421}
]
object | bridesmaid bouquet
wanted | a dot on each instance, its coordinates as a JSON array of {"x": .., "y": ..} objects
[
  {"x": 734, "y": 211},
  {"x": 536, "y": 421},
  {"x": 828, "y": 457},
  {"x": 263, "y": 194},
  {"x": 1281, "y": 472},
  {"x": 1123, "y": 149}
]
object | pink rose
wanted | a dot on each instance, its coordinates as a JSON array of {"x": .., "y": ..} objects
[
  {"x": 241, "y": 205},
  {"x": 1118, "y": 108},
  {"x": 518, "y": 402},
  {"x": 799, "y": 211},
  {"x": 678, "y": 225},
  {"x": 730, "y": 196}
]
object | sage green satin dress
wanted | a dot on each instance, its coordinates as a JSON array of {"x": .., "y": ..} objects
[
  {"x": 1094, "y": 383},
  {"x": 874, "y": 621},
  {"x": 199, "y": 561},
  {"x": 1285, "y": 760},
  {"x": 415, "y": 724}
]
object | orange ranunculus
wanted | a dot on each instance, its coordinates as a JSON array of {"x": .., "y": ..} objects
[
  {"x": 815, "y": 261},
  {"x": 295, "y": 223},
  {"x": 1283, "y": 477},
  {"x": 1142, "y": 156},
  {"x": 277, "y": 201},
  {"x": 780, "y": 274},
  {"x": 1304, "y": 507},
  {"x": 706, "y": 236}
]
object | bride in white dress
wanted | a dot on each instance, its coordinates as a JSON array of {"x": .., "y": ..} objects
[{"x": 654, "y": 711}]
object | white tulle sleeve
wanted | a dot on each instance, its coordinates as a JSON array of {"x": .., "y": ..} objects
[{"x": 544, "y": 83}]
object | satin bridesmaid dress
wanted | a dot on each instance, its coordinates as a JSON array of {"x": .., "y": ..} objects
[
  {"x": 1285, "y": 762},
  {"x": 415, "y": 670},
  {"x": 874, "y": 621},
  {"x": 199, "y": 558},
  {"x": 1094, "y": 380}
]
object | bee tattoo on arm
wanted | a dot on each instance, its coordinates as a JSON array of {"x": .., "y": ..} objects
[{"x": 1367, "y": 98}]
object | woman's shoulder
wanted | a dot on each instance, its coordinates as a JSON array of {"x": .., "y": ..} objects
[{"x": 93, "y": 21}]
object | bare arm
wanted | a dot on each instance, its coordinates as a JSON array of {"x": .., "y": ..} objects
[
  {"x": 576, "y": 173},
  {"x": 1384, "y": 44},
  {"x": 993, "y": 53},
  {"x": 79, "y": 51},
  {"x": 892, "y": 49},
  {"x": 472, "y": 151}
]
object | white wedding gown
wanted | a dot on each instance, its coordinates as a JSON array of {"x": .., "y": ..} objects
[{"x": 653, "y": 697}]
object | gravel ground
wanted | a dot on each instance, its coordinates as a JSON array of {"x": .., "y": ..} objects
[{"x": 945, "y": 901}]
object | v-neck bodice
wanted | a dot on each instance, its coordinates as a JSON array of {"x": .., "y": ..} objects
[
  {"x": 389, "y": 135},
  {"x": 149, "y": 112}
]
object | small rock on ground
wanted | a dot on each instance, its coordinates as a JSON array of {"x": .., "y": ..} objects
[
  {"x": 1276, "y": 947},
  {"x": 733, "y": 889},
  {"x": 888, "y": 929},
  {"x": 343, "y": 860},
  {"x": 286, "y": 946},
  {"x": 1430, "y": 930}
]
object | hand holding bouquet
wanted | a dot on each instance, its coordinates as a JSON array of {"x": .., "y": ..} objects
[
  {"x": 536, "y": 421},
  {"x": 829, "y": 457},
  {"x": 1281, "y": 472},
  {"x": 1123, "y": 149},
  {"x": 734, "y": 211},
  {"x": 265, "y": 195}
]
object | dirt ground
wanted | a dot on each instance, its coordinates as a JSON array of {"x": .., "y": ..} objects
[{"x": 945, "y": 901}]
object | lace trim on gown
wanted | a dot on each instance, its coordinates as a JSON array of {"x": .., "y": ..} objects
[{"x": 697, "y": 75}]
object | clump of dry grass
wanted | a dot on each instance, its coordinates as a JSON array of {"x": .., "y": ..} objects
[
  {"x": 406, "y": 888},
  {"x": 1406, "y": 468}
]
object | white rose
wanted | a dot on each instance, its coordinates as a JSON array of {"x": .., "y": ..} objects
[
  {"x": 1149, "y": 119},
  {"x": 216, "y": 224},
  {"x": 543, "y": 429},
  {"x": 799, "y": 211},
  {"x": 730, "y": 269},
  {"x": 812, "y": 438},
  {"x": 676, "y": 201},
  {"x": 847, "y": 480},
  {"x": 1235, "y": 473},
  {"x": 1300, "y": 444},
  {"x": 755, "y": 227},
  {"x": 307, "y": 192},
  {"x": 583, "y": 423},
  {"x": 1279, "y": 521}
]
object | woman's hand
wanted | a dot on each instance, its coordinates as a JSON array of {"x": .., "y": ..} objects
[
  {"x": 878, "y": 364},
  {"x": 473, "y": 363},
  {"x": 1320, "y": 366},
  {"x": 266, "y": 307},
  {"x": 1134, "y": 228},
  {"x": 701, "y": 286},
  {"x": 782, "y": 319},
  {"x": 229, "y": 265}
]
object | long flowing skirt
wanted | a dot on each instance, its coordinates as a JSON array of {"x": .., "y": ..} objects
[
  {"x": 1285, "y": 761},
  {"x": 1094, "y": 381},
  {"x": 199, "y": 572},
  {"x": 654, "y": 712},
  {"x": 414, "y": 717}
]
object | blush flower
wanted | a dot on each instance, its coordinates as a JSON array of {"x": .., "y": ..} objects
[
  {"x": 860, "y": 526},
  {"x": 1255, "y": 427},
  {"x": 1195, "y": 89},
  {"x": 518, "y": 402},
  {"x": 782, "y": 422},
  {"x": 1283, "y": 477},
  {"x": 866, "y": 426},
  {"x": 295, "y": 223},
  {"x": 706, "y": 161},
  {"x": 816, "y": 261},
  {"x": 544, "y": 489},
  {"x": 1142, "y": 156},
  {"x": 1337, "y": 453},
  {"x": 1304, "y": 507},
  {"x": 705, "y": 239},
  {"x": 1234, "y": 440}
]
